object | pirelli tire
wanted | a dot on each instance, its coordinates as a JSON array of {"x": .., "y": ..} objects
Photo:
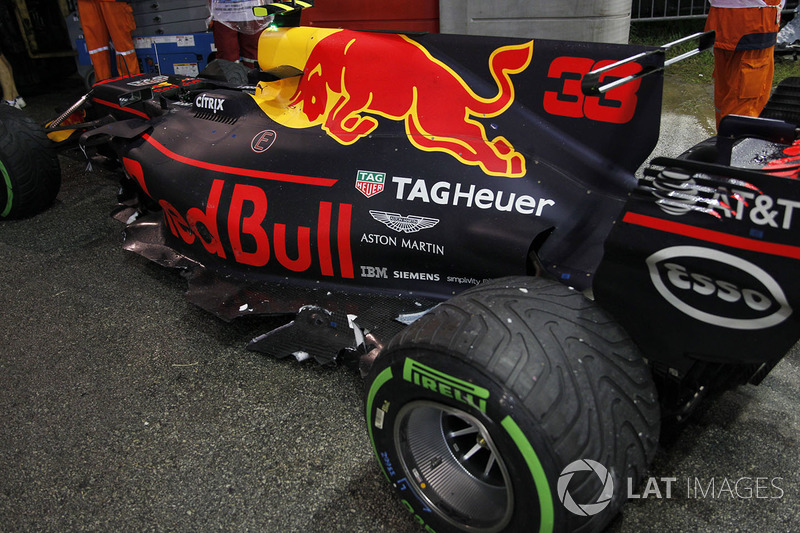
[
  {"x": 518, "y": 405},
  {"x": 30, "y": 175}
]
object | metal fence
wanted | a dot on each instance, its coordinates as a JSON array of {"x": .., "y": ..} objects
[{"x": 679, "y": 9}]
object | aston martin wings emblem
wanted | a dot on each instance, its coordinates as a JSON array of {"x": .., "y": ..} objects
[{"x": 407, "y": 224}]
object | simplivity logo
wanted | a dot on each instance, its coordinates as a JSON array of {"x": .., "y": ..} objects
[{"x": 586, "y": 509}]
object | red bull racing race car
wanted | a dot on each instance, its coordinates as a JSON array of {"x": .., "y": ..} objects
[{"x": 461, "y": 219}]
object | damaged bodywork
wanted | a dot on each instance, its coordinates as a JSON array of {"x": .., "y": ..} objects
[{"x": 376, "y": 218}]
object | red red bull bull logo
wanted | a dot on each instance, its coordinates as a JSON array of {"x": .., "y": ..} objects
[{"x": 352, "y": 80}]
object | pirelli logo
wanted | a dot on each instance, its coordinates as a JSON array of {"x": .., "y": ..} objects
[{"x": 446, "y": 385}]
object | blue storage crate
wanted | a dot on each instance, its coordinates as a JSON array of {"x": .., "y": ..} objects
[{"x": 184, "y": 55}]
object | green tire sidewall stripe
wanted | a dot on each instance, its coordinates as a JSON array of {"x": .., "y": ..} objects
[
  {"x": 380, "y": 380},
  {"x": 547, "y": 512},
  {"x": 9, "y": 200}
]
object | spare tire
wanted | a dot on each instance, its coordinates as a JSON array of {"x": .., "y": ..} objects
[
  {"x": 30, "y": 175},
  {"x": 227, "y": 71}
]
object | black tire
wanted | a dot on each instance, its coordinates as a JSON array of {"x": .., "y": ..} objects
[
  {"x": 227, "y": 71},
  {"x": 89, "y": 79},
  {"x": 30, "y": 175},
  {"x": 526, "y": 373}
]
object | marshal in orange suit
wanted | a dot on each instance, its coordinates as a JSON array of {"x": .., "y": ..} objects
[
  {"x": 104, "y": 19},
  {"x": 743, "y": 54}
]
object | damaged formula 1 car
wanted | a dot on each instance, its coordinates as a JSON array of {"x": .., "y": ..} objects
[{"x": 459, "y": 218}]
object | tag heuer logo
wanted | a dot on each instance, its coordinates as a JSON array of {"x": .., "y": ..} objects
[{"x": 370, "y": 183}]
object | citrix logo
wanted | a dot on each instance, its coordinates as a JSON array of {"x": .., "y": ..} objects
[
  {"x": 204, "y": 101},
  {"x": 586, "y": 509}
]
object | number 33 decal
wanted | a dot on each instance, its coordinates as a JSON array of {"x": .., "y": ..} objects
[{"x": 616, "y": 106}]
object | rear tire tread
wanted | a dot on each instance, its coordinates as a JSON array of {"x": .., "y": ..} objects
[
  {"x": 31, "y": 163},
  {"x": 596, "y": 364}
]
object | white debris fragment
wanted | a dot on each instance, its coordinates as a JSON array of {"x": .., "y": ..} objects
[
  {"x": 243, "y": 308},
  {"x": 359, "y": 335},
  {"x": 301, "y": 356},
  {"x": 410, "y": 318}
]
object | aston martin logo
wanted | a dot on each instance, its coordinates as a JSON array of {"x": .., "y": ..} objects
[{"x": 405, "y": 224}]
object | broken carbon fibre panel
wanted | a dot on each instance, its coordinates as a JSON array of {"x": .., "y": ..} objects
[
  {"x": 326, "y": 323},
  {"x": 359, "y": 324},
  {"x": 331, "y": 337},
  {"x": 315, "y": 333},
  {"x": 328, "y": 326}
]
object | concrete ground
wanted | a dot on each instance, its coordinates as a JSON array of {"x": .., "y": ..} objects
[{"x": 124, "y": 408}]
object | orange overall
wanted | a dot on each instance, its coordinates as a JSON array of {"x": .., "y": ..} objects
[
  {"x": 746, "y": 31},
  {"x": 101, "y": 19}
]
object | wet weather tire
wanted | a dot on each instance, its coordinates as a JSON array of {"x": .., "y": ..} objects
[
  {"x": 30, "y": 175},
  {"x": 518, "y": 405},
  {"x": 224, "y": 70}
]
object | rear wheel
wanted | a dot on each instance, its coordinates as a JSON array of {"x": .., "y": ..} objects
[
  {"x": 518, "y": 405},
  {"x": 30, "y": 175}
]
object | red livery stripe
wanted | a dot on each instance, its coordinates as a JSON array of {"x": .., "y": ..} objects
[
  {"x": 306, "y": 180},
  {"x": 708, "y": 235},
  {"x": 117, "y": 106}
]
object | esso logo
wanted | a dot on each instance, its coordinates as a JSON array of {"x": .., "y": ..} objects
[
  {"x": 680, "y": 274},
  {"x": 262, "y": 141}
]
